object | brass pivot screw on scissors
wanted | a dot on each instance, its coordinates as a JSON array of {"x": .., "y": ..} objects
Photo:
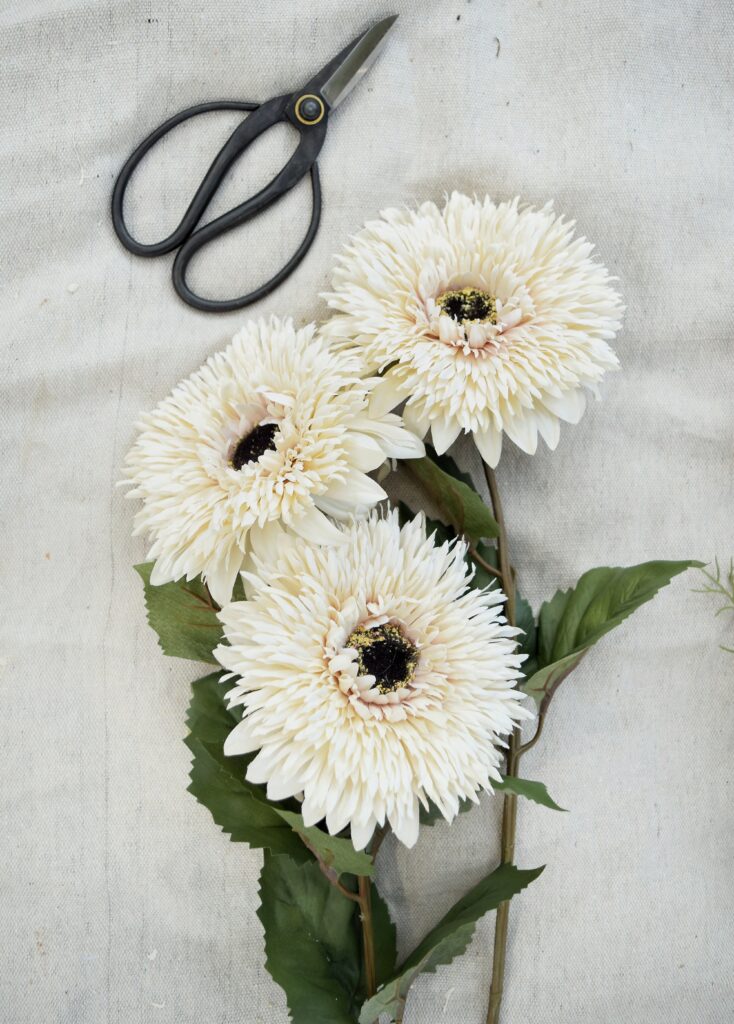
[{"x": 308, "y": 109}]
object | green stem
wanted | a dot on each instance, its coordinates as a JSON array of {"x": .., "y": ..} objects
[
  {"x": 363, "y": 898},
  {"x": 524, "y": 747},
  {"x": 484, "y": 563},
  {"x": 514, "y": 751},
  {"x": 503, "y": 550},
  {"x": 368, "y": 938}
]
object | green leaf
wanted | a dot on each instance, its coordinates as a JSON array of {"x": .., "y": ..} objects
[
  {"x": 457, "y": 502},
  {"x": 184, "y": 616},
  {"x": 241, "y": 808},
  {"x": 549, "y": 618},
  {"x": 545, "y": 681},
  {"x": 573, "y": 620},
  {"x": 311, "y": 944},
  {"x": 601, "y": 599},
  {"x": 525, "y": 620},
  {"x": 449, "y": 938},
  {"x": 530, "y": 790},
  {"x": 338, "y": 855},
  {"x": 522, "y": 787}
]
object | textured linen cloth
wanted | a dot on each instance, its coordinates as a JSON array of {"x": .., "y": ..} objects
[{"x": 121, "y": 900}]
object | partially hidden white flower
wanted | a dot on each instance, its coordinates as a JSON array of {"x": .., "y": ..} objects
[
  {"x": 373, "y": 677},
  {"x": 272, "y": 434},
  {"x": 488, "y": 318}
]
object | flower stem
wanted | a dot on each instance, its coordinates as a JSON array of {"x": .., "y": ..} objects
[
  {"x": 503, "y": 551},
  {"x": 514, "y": 751},
  {"x": 484, "y": 563},
  {"x": 363, "y": 898},
  {"x": 368, "y": 938}
]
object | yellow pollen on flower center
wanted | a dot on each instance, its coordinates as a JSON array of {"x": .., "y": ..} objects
[
  {"x": 385, "y": 653},
  {"x": 469, "y": 305}
]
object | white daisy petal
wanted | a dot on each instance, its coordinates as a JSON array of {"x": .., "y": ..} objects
[
  {"x": 444, "y": 433},
  {"x": 364, "y": 452},
  {"x": 357, "y": 488},
  {"x": 523, "y": 430},
  {"x": 266, "y": 540},
  {"x": 489, "y": 443},
  {"x": 406, "y": 827},
  {"x": 416, "y": 420},
  {"x": 314, "y": 526},
  {"x": 376, "y": 683},
  {"x": 396, "y": 441},
  {"x": 569, "y": 406},
  {"x": 549, "y": 427},
  {"x": 239, "y": 740},
  {"x": 385, "y": 395},
  {"x": 220, "y": 579},
  {"x": 342, "y": 511},
  {"x": 362, "y": 833}
]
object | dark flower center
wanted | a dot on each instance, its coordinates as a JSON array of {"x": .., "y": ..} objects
[
  {"x": 469, "y": 304},
  {"x": 249, "y": 448},
  {"x": 383, "y": 652}
]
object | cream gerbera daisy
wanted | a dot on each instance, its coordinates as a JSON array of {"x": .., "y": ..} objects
[
  {"x": 272, "y": 433},
  {"x": 488, "y": 318},
  {"x": 373, "y": 678}
]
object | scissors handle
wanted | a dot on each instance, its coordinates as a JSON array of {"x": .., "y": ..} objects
[
  {"x": 197, "y": 204},
  {"x": 189, "y": 241}
]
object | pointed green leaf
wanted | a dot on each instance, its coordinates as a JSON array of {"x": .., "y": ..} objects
[
  {"x": 337, "y": 854},
  {"x": 449, "y": 938},
  {"x": 528, "y": 641},
  {"x": 241, "y": 808},
  {"x": 601, "y": 599},
  {"x": 311, "y": 941},
  {"x": 573, "y": 620},
  {"x": 530, "y": 790},
  {"x": 545, "y": 681},
  {"x": 207, "y": 715},
  {"x": 184, "y": 616},
  {"x": 549, "y": 618},
  {"x": 457, "y": 502}
]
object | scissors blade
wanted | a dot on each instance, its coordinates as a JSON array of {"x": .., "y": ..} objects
[{"x": 357, "y": 62}]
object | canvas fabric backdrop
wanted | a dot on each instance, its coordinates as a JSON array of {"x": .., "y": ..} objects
[{"x": 121, "y": 900}]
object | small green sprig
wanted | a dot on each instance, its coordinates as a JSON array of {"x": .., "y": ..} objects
[{"x": 723, "y": 587}]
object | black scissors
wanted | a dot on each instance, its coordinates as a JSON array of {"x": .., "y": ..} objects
[{"x": 308, "y": 109}]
